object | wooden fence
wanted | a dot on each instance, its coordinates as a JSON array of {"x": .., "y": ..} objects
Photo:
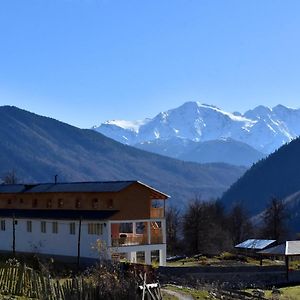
[{"x": 21, "y": 280}]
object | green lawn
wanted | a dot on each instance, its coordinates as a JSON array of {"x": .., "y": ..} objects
[
  {"x": 225, "y": 259},
  {"x": 196, "y": 294}
]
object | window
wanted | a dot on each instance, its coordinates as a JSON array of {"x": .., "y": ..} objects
[
  {"x": 34, "y": 203},
  {"x": 2, "y": 225},
  {"x": 60, "y": 203},
  {"x": 110, "y": 203},
  {"x": 72, "y": 228},
  {"x": 95, "y": 203},
  {"x": 21, "y": 201},
  {"x": 29, "y": 226},
  {"x": 78, "y": 204},
  {"x": 54, "y": 227},
  {"x": 95, "y": 228},
  {"x": 49, "y": 203},
  {"x": 43, "y": 226},
  {"x": 9, "y": 201}
]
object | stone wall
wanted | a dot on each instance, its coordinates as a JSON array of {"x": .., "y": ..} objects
[{"x": 244, "y": 276}]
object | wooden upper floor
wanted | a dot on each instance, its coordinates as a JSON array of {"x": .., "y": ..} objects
[{"x": 131, "y": 199}]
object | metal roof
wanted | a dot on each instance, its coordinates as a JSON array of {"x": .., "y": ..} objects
[
  {"x": 58, "y": 214},
  {"x": 69, "y": 187},
  {"x": 108, "y": 186},
  {"x": 12, "y": 188},
  {"x": 255, "y": 244},
  {"x": 287, "y": 248},
  {"x": 97, "y": 186}
]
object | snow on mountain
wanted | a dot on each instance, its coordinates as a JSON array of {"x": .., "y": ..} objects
[{"x": 263, "y": 128}]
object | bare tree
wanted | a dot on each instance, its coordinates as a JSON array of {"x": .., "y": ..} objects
[
  {"x": 239, "y": 224},
  {"x": 173, "y": 222},
  {"x": 10, "y": 177},
  {"x": 204, "y": 228},
  {"x": 274, "y": 220}
]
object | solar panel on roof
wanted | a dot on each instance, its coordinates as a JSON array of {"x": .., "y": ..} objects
[{"x": 255, "y": 244}]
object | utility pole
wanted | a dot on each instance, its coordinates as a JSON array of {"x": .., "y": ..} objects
[
  {"x": 14, "y": 235},
  {"x": 78, "y": 243}
]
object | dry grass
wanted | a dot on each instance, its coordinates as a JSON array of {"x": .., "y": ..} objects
[{"x": 227, "y": 259}]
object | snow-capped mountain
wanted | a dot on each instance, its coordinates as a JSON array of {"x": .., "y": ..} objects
[{"x": 263, "y": 128}]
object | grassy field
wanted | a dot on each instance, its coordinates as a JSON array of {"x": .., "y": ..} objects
[
  {"x": 226, "y": 259},
  {"x": 195, "y": 294},
  {"x": 288, "y": 293}
]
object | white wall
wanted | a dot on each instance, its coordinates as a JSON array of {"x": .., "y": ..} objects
[
  {"x": 61, "y": 243},
  {"x": 65, "y": 244}
]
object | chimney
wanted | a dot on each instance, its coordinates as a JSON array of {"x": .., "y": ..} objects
[{"x": 55, "y": 179}]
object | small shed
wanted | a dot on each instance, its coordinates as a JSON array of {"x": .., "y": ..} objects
[
  {"x": 286, "y": 250},
  {"x": 252, "y": 246}
]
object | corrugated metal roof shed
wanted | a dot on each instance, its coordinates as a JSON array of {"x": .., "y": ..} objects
[
  {"x": 277, "y": 250},
  {"x": 255, "y": 244},
  {"x": 289, "y": 248}
]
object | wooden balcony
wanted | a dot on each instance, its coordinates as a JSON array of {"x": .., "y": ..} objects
[
  {"x": 127, "y": 239},
  {"x": 157, "y": 213},
  {"x": 157, "y": 238}
]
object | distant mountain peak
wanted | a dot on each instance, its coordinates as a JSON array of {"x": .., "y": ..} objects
[
  {"x": 263, "y": 128},
  {"x": 129, "y": 125}
]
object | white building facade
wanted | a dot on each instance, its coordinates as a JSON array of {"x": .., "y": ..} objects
[{"x": 73, "y": 227}]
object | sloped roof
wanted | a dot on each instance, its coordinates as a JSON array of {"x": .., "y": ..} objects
[
  {"x": 12, "y": 188},
  {"x": 58, "y": 214},
  {"x": 255, "y": 244},
  {"x": 89, "y": 187},
  {"x": 287, "y": 248},
  {"x": 106, "y": 186}
]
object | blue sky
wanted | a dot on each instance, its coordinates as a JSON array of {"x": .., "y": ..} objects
[{"x": 86, "y": 61}]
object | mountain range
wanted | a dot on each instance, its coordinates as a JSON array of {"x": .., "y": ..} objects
[
  {"x": 38, "y": 148},
  {"x": 176, "y": 132}
]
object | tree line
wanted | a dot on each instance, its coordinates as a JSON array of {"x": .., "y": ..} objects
[{"x": 205, "y": 227}]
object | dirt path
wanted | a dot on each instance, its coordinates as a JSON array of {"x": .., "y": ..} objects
[{"x": 178, "y": 295}]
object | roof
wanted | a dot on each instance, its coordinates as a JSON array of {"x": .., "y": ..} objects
[
  {"x": 255, "y": 244},
  {"x": 288, "y": 248},
  {"x": 68, "y": 187},
  {"x": 58, "y": 214},
  {"x": 107, "y": 186}
]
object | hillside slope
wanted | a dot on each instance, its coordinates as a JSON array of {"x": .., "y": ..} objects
[
  {"x": 275, "y": 176},
  {"x": 39, "y": 147},
  {"x": 226, "y": 150}
]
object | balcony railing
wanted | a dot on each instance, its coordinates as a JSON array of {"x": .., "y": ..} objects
[
  {"x": 156, "y": 212},
  {"x": 134, "y": 240},
  {"x": 129, "y": 240}
]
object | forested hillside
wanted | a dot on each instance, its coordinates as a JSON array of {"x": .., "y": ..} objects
[
  {"x": 275, "y": 176},
  {"x": 38, "y": 148}
]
